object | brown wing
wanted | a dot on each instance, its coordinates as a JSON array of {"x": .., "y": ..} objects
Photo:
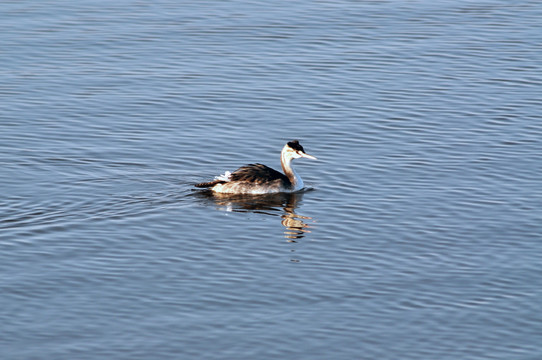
[
  {"x": 209, "y": 184},
  {"x": 257, "y": 174}
]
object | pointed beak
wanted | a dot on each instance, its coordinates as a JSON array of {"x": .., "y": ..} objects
[{"x": 308, "y": 156}]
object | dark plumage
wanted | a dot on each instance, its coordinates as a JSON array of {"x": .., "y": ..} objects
[
  {"x": 294, "y": 144},
  {"x": 209, "y": 184},
  {"x": 258, "y": 174},
  {"x": 253, "y": 173}
]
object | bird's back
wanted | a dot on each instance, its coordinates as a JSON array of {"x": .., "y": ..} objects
[
  {"x": 257, "y": 174},
  {"x": 253, "y": 179}
]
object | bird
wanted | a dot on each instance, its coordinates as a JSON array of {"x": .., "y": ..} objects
[{"x": 261, "y": 179}]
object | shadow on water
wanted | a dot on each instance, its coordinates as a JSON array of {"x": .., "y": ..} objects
[{"x": 282, "y": 205}]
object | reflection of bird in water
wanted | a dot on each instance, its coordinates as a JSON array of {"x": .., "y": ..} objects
[
  {"x": 261, "y": 179},
  {"x": 281, "y": 204},
  {"x": 294, "y": 224}
]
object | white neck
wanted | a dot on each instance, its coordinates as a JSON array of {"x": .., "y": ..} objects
[{"x": 295, "y": 179}]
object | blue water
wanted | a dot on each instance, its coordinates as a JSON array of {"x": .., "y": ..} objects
[{"x": 420, "y": 237}]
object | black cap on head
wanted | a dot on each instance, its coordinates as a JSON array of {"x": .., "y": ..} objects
[{"x": 294, "y": 144}]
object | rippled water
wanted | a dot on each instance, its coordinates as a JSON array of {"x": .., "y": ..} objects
[{"x": 421, "y": 236}]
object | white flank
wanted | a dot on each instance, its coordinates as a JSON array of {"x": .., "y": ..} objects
[{"x": 225, "y": 177}]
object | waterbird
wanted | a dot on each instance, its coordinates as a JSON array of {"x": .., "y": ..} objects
[{"x": 261, "y": 179}]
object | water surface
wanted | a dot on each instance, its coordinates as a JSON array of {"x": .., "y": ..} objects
[{"x": 420, "y": 237}]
